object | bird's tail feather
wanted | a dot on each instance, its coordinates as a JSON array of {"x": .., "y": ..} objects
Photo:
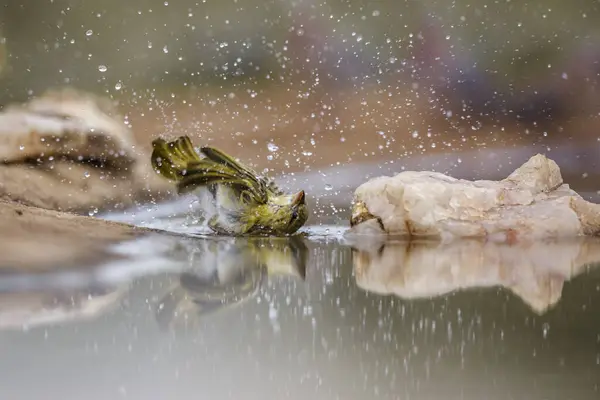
[{"x": 171, "y": 159}]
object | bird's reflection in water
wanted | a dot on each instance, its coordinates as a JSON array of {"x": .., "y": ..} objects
[
  {"x": 534, "y": 271},
  {"x": 223, "y": 272}
]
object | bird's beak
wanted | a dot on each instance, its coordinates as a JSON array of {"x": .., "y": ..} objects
[{"x": 299, "y": 199}]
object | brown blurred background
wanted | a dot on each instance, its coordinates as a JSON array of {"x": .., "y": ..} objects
[{"x": 471, "y": 88}]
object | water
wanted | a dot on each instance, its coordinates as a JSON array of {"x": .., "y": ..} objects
[{"x": 322, "y": 316}]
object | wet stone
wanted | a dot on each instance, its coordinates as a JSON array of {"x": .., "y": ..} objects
[{"x": 531, "y": 203}]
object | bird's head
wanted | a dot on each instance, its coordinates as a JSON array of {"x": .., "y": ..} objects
[{"x": 283, "y": 215}]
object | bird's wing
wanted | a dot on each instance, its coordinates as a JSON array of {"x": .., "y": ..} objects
[
  {"x": 260, "y": 185},
  {"x": 271, "y": 186},
  {"x": 179, "y": 162},
  {"x": 205, "y": 173}
]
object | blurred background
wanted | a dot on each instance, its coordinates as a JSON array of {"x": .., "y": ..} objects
[
  {"x": 301, "y": 85},
  {"x": 326, "y": 94}
]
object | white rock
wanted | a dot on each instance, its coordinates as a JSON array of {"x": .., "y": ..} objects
[
  {"x": 532, "y": 202},
  {"x": 535, "y": 271}
]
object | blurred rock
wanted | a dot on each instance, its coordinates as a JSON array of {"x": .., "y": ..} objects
[
  {"x": 534, "y": 271},
  {"x": 532, "y": 202},
  {"x": 69, "y": 150},
  {"x": 65, "y": 122}
]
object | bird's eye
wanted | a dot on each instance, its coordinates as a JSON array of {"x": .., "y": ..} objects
[{"x": 294, "y": 214}]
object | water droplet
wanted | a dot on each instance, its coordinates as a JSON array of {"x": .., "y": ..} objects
[
  {"x": 21, "y": 147},
  {"x": 300, "y": 32},
  {"x": 328, "y": 187},
  {"x": 118, "y": 86},
  {"x": 89, "y": 32},
  {"x": 375, "y": 13},
  {"x": 545, "y": 329},
  {"x": 165, "y": 49},
  {"x": 102, "y": 68},
  {"x": 272, "y": 147},
  {"x": 86, "y": 174},
  {"x": 272, "y": 313}
]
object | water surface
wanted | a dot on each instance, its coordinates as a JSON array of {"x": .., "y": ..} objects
[{"x": 320, "y": 317}]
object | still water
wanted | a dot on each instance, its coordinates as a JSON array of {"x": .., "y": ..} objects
[{"x": 322, "y": 316}]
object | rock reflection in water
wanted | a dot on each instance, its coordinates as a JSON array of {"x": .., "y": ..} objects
[
  {"x": 30, "y": 309},
  {"x": 222, "y": 272},
  {"x": 534, "y": 271}
]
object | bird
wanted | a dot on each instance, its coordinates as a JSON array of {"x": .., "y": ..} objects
[{"x": 235, "y": 199}]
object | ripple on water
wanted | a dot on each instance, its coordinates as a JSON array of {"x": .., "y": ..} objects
[{"x": 176, "y": 217}]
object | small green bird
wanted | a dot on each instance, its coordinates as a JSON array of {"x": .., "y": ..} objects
[{"x": 234, "y": 198}]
